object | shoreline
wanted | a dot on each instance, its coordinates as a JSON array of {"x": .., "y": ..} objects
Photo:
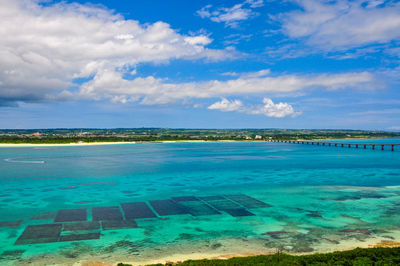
[
  {"x": 77, "y": 144},
  {"x": 179, "y": 258},
  {"x": 73, "y": 144}
]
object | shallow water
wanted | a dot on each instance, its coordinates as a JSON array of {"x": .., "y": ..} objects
[{"x": 316, "y": 198}]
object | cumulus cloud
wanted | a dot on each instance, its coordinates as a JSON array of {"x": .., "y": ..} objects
[
  {"x": 269, "y": 108},
  {"x": 227, "y": 106},
  {"x": 108, "y": 84},
  {"x": 231, "y": 16},
  {"x": 337, "y": 25},
  {"x": 44, "y": 48}
]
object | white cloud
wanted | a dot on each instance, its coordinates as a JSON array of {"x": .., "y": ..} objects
[
  {"x": 43, "y": 48},
  {"x": 393, "y": 111},
  {"x": 278, "y": 110},
  {"x": 255, "y": 3},
  {"x": 150, "y": 90},
  {"x": 237, "y": 38},
  {"x": 227, "y": 106},
  {"x": 232, "y": 74},
  {"x": 269, "y": 108},
  {"x": 257, "y": 74},
  {"x": 231, "y": 16},
  {"x": 338, "y": 25}
]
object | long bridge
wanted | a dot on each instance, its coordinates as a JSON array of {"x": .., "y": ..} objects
[{"x": 373, "y": 146}]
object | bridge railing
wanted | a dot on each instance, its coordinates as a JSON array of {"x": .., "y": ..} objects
[{"x": 372, "y": 146}]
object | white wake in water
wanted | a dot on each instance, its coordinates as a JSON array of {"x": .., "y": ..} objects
[{"x": 10, "y": 160}]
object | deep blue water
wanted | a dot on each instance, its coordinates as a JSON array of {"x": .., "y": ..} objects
[{"x": 314, "y": 193}]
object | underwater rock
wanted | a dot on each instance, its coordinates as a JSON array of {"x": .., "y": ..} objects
[
  {"x": 314, "y": 214},
  {"x": 185, "y": 236},
  {"x": 76, "y": 250},
  {"x": 99, "y": 183},
  {"x": 393, "y": 174},
  {"x": 273, "y": 233},
  {"x": 216, "y": 245},
  {"x": 69, "y": 187},
  {"x": 302, "y": 249},
  {"x": 11, "y": 224},
  {"x": 198, "y": 229},
  {"x": 11, "y": 254},
  {"x": 358, "y": 230},
  {"x": 361, "y": 195},
  {"x": 344, "y": 198},
  {"x": 373, "y": 196},
  {"x": 86, "y": 201},
  {"x": 123, "y": 244}
]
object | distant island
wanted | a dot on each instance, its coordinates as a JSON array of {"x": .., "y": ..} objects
[{"x": 86, "y": 135}]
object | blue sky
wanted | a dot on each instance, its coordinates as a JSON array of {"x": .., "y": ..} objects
[{"x": 200, "y": 64}]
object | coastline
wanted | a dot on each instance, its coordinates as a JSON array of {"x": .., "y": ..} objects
[
  {"x": 74, "y": 144},
  {"x": 13, "y": 145},
  {"x": 179, "y": 258},
  {"x": 167, "y": 257}
]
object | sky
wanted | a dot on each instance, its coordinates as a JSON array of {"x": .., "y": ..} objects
[{"x": 200, "y": 64}]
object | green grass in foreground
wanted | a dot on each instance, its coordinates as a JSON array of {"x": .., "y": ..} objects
[{"x": 358, "y": 256}]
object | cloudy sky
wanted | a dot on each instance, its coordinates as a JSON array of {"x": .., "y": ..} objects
[{"x": 200, "y": 64}]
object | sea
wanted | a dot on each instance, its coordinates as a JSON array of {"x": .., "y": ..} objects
[{"x": 145, "y": 203}]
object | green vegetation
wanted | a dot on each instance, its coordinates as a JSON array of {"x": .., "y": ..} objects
[
  {"x": 358, "y": 256},
  {"x": 50, "y": 136}
]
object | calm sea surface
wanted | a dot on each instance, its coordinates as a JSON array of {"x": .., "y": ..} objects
[{"x": 181, "y": 200}]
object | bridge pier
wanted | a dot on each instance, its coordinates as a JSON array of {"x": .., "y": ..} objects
[{"x": 349, "y": 145}]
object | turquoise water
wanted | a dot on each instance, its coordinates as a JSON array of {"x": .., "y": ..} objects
[{"x": 316, "y": 198}]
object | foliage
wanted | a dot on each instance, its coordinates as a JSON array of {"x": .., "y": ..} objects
[
  {"x": 358, "y": 256},
  {"x": 52, "y": 136}
]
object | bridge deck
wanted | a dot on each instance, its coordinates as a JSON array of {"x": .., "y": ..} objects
[{"x": 341, "y": 144}]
